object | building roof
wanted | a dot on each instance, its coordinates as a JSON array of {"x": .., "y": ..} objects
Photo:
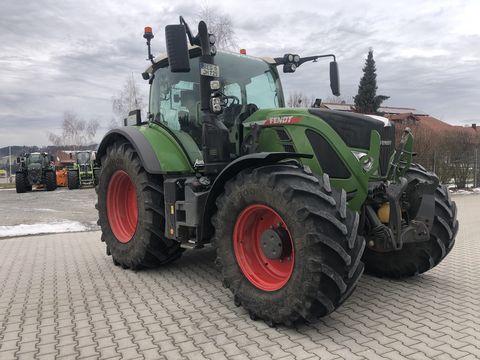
[
  {"x": 383, "y": 109},
  {"x": 430, "y": 123}
]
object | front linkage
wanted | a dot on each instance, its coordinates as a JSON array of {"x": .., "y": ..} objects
[{"x": 396, "y": 222}]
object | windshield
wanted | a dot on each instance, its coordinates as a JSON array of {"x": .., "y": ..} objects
[
  {"x": 175, "y": 97},
  {"x": 36, "y": 158},
  {"x": 83, "y": 157}
]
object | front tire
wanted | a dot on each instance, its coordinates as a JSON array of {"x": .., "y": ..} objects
[
  {"x": 73, "y": 180},
  {"x": 417, "y": 258},
  {"x": 323, "y": 265},
  {"x": 20, "y": 183},
  {"x": 50, "y": 181},
  {"x": 131, "y": 211}
]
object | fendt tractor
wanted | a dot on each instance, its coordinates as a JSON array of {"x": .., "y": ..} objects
[
  {"x": 296, "y": 202},
  {"x": 84, "y": 171},
  {"x": 35, "y": 169}
]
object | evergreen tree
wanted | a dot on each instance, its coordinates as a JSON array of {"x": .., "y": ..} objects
[{"x": 367, "y": 101}]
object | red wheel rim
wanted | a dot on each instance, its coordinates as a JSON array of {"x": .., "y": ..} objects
[
  {"x": 122, "y": 210},
  {"x": 266, "y": 274}
]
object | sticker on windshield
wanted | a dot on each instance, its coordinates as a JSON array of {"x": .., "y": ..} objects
[{"x": 209, "y": 70}]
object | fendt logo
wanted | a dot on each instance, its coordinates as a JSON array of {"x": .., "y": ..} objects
[{"x": 282, "y": 120}]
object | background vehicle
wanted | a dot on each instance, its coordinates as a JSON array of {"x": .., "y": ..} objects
[
  {"x": 286, "y": 196},
  {"x": 35, "y": 169},
  {"x": 84, "y": 171}
]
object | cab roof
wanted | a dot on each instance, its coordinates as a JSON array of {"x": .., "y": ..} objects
[{"x": 161, "y": 60}]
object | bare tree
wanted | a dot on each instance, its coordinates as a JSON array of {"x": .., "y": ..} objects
[
  {"x": 336, "y": 100},
  {"x": 460, "y": 147},
  {"x": 76, "y": 132},
  {"x": 299, "y": 99},
  {"x": 127, "y": 99},
  {"x": 220, "y": 24}
]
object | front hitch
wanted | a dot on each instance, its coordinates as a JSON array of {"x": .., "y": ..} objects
[{"x": 398, "y": 232}]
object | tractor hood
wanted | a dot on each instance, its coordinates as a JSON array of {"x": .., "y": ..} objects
[{"x": 355, "y": 129}]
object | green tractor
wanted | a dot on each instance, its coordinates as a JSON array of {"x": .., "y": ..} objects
[
  {"x": 35, "y": 169},
  {"x": 296, "y": 202},
  {"x": 84, "y": 171}
]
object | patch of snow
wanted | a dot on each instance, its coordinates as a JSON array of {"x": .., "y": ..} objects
[
  {"x": 465, "y": 191},
  {"x": 42, "y": 228},
  {"x": 43, "y": 210}
]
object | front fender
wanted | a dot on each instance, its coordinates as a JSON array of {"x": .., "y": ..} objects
[{"x": 231, "y": 170}]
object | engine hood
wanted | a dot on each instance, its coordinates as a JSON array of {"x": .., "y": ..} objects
[{"x": 355, "y": 129}]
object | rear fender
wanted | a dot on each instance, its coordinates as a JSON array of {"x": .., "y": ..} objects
[{"x": 159, "y": 152}]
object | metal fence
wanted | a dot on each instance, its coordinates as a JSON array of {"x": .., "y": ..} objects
[{"x": 450, "y": 168}]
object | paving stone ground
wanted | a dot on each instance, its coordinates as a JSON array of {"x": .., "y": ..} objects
[{"x": 62, "y": 297}]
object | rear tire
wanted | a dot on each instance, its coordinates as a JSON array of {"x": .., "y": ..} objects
[
  {"x": 50, "y": 181},
  {"x": 326, "y": 252},
  {"x": 21, "y": 183},
  {"x": 138, "y": 242},
  {"x": 417, "y": 258},
  {"x": 73, "y": 180},
  {"x": 96, "y": 175}
]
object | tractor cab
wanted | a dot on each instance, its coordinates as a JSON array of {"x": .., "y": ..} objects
[
  {"x": 37, "y": 160},
  {"x": 246, "y": 84},
  {"x": 83, "y": 157}
]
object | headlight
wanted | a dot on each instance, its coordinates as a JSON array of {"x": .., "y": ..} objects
[
  {"x": 364, "y": 160},
  {"x": 211, "y": 39}
]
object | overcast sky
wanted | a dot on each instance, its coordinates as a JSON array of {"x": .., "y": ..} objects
[{"x": 58, "y": 56}]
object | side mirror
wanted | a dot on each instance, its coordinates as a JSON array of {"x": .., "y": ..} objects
[
  {"x": 18, "y": 160},
  {"x": 334, "y": 78},
  {"x": 177, "y": 48},
  {"x": 52, "y": 158},
  {"x": 134, "y": 118}
]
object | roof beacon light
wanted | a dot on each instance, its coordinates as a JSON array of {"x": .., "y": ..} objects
[
  {"x": 243, "y": 51},
  {"x": 148, "y": 35}
]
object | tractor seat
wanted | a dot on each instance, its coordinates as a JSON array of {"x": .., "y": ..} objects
[{"x": 230, "y": 114}]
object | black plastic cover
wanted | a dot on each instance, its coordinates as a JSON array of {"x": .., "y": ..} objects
[
  {"x": 354, "y": 129},
  {"x": 326, "y": 156},
  {"x": 177, "y": 48}
]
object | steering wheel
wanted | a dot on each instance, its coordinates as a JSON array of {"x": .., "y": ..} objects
[{"x": 235, "y": 99}]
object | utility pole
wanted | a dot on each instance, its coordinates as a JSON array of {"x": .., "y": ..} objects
[
  {"x": 10, "y": 161},
  {"x": 475, "y": 184}
]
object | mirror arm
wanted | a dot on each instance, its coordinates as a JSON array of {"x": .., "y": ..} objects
[
  {"x": 193, "y": 40},
  {"x": 314, "y": 58},
  {"x": 281, "y": 60}
]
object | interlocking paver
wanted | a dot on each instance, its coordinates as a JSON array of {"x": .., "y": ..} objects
[{"x": 63, "y": 298}]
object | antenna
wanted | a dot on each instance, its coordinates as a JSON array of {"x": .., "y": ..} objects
[{"x": 134, "y": 91}]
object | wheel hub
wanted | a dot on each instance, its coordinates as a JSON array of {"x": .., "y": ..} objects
[
  {"x": 263, "y": 247},
  {"x": 122, "y": 210},
  {"x": 275, "y": 243}
]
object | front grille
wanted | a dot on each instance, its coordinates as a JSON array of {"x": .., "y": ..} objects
[{"x": 289, "y": 148}]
